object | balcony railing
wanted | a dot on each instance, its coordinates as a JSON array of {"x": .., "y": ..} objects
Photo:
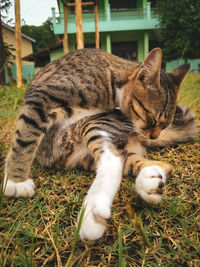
[{"x": 108, "y": 15}]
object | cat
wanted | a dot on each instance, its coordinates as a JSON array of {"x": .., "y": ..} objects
[
  {"x": 87, "y": 83},
  {"x": 110, "y": 144}
]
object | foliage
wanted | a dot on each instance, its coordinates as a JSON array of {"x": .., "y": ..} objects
[
  {"x": 41, "y": 231},
  {"x": 44, "y": 34},
  {"x": 10, "y": 98},
  {"x": 44, "y": 37},
  {"x": 5, "y": 5},
  {"x": 180, "y": 31},
  {"x": 9, "y": 55}
]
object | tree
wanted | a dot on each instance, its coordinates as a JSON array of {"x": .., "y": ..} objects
[
  {"x": 4, "y": 5},
  {"x": 180, "y": 31},
  {"x": 44, "y": 34}
]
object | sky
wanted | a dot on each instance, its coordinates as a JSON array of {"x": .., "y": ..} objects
[{"x": 33, "y": 12}]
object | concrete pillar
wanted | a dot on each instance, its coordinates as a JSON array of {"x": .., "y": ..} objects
[
  {"x": 148, "y": 10},
  {"x": 53, "y": 10},
  {"x": 140, "y": 50},
  {"x": 146, "y": 43},
  {"x": 108, "y": 43},
  {"x": 143, "y": 47},
  {"x": 107, "y": 9}
]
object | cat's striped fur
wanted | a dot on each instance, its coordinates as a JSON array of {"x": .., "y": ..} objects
[
  {"x": 80, "y": 144},
  {"x": 84, "y": 144},
  {"x": 68, "y": 118},
  {"x": 86, "y": 82}
]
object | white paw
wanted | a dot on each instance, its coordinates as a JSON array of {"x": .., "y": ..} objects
[
  {"x": 22, "y": 189},
  {"x": 94, "y": 222},
  {"x": 150, "y": 182}
]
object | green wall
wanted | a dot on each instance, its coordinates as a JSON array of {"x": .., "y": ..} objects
[
  {"x": 27, "y": 70},
  {"x": 133, "y": 26},
  {"x": 107, "y": 38},
  {"x": 194, "y": 64},
  {"x": 56, "y": 54}
]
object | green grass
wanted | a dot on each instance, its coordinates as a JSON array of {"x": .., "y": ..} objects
[
  {"x": 10, "y": 98},
  {"x": 41, "y": 231}
]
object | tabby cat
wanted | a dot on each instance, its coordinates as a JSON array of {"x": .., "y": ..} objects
[
  {"x": 70, "y": 106},
  {"x": 109, "y": 143}
]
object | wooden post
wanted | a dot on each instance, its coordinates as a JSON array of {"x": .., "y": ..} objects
[
  {"x": 96, "y": 25},
  {"x": 2, "y": 55},
  {"x": 18, "y": 44},
  {"x": 79, "y": 25},
  {"x": 65, "y": 32}
]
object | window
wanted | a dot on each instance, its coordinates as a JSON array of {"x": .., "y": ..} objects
[
  {"x": 126, "y": 50},
  {"x": 123, "y": 4}
]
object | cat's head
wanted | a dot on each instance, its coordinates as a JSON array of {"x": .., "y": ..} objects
[{"x": 150, "y": 95}]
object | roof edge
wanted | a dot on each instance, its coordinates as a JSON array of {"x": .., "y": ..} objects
[{"x": 13, "y": 29}]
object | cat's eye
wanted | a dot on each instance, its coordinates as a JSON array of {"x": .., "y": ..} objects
[
  {"x": 142, "y": 77},
  {"x": 163, "y": 125},
  {"x": 145, "y": 130}
]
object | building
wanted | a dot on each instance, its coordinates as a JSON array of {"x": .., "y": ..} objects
[
  {"x": 27, "y": 66},
  {"x": 127, "y": 28}
]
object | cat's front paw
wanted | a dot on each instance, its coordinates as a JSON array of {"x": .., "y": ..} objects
[
  {"x": 150, "y": 183},
  {"x": 94, "y": 222},
  {"x": 22, "y": 189}
]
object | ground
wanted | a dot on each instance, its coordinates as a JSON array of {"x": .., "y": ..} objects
[{"x": 41, "y": 231}]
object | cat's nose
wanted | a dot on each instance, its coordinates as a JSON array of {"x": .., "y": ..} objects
[
  {"x": 155, "y": 133},
  {"x": 153, "y": 136}
]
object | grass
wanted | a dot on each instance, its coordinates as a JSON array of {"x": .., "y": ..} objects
[{"x": 41, "y": 231}]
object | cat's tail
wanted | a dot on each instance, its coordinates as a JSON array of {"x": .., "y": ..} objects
[{"x": 183, "y": 128}]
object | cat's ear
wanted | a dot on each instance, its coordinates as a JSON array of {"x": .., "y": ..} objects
[
  {"x": 150, "y": 68},
  {"x": 177, "y": 75}
]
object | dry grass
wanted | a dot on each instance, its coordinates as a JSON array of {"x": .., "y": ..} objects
[{"x": 40, "y": 231}]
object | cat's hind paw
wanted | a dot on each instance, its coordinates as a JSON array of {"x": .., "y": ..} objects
[
  {"x": 150, "y": 183},
  {"x": 94, "y": 223},
  {"x": 21, "y": 189}
]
